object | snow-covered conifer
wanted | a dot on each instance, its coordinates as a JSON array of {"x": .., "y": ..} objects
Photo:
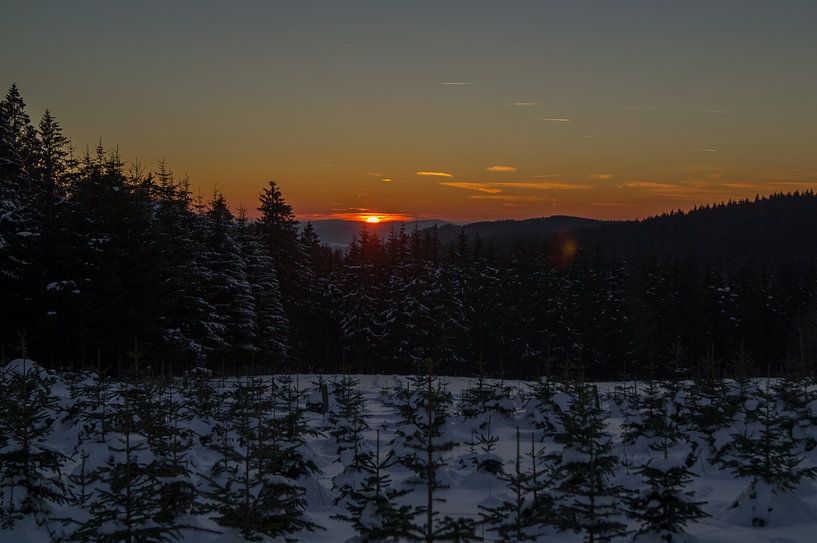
[
  {"x": 30, "y": 468},
  {"x": 588, "y": 499}
]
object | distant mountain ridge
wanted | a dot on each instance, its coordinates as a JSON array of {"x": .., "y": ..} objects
[
  {"x": 766, "y": 230},
  {"x": 512, "y": 231}
]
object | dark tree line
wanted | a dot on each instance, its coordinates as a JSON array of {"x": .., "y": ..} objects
[{"x": 98, "y": 256}]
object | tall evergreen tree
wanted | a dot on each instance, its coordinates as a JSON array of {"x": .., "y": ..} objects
[{"x": 271, "y": 335}]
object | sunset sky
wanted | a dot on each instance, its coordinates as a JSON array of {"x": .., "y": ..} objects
[{"x": 453, "y": 110}]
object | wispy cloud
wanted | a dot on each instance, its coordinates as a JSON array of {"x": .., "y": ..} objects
[
  {"x": 600, "y": 176},
  {"x": 524, "y": 104},
  {"x": 495, "y": 187},
  {"x": 679, "y": 107},
  {"x": 506, "y": 198},
  {"x": 557, "y": 119},
  {"x": 387, "y": 180},
  {"x": 435, "y": 174},
  {"x": 647, "y": 185},
  {"x": 479, "y": 187},
  {"x": 547, "y": 176},
  {"x": 796, "y": 183},
  {"x": 501, "y": 168},
  {"x": 662, "y": 108},
  {"x": 541, "y": 186},
  {"x": 457, "y": 83}
]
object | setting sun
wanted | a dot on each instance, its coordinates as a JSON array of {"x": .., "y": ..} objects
[{"x": 372, "y": 219}]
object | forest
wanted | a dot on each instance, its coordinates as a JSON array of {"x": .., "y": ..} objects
[{"x": 102, "y": 259}]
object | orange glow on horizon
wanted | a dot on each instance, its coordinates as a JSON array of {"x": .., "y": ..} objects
[{"x": 373, "y": 219}]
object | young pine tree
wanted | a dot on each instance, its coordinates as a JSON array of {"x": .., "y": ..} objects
[
  {"x": 771, "y": 457},
  {"x": 425, "y": 443},
  {"x": 126, "y": 505},
  {"x": 371, "y": 506},
  {"x": 663, "y": 503},
  {"x": 30, "y": 469},
  {"x": 524, "y": 516},
  {"x": 347, "y": 422},
  {"x": 247, "y": 490},
  {"x": 588, "y": 499}
]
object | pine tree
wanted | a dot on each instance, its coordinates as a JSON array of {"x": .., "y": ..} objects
[
  {"x": 771, "y": 457},
  {"x": 483, "y": 399},
  {"x": 371, "y": 505},
  {"x": 662, "y": 505},
  {"x": 543, "y": 406},
  {"x": 424, "y": 443},
  {"x": 291, "y": 429},
  {"x": 250, "y": 491},
  {"x": 278, "y": 230},
  {"x": 126, "y": 505},
  {"x": 708, "y": 411},
  {"x": 362, "y": 325},
  {"x": 18, "y": 144},
  {"x": 524, "y": 516},
  {"x": 187, "y": 321},
  {"x": 170, "y": 440},
  {"x": 588, "y": 500},
  {"x": 92, "y": 400},
  {"x": 347, "y": 423},
  {"x": 229, "y": 291},
  {"x": 30, "y": 469},
  {"x": 270, "y": 338}
]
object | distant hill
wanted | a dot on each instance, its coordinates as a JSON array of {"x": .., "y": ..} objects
[
  {"x": 513, "y": 232},
  {"x": 781, "y": 227},
  {"x": 339, "y": 233},
  {"x": 768, "y": 230}
]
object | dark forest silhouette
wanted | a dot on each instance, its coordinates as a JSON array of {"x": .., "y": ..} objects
[{"x": 102, "y": 261}]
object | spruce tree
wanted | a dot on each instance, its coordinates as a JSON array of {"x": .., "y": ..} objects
[
  {"x": 663, "y": 503},
  {"x": 767, "y": 454},
  {"x": 170, "y": 440},
  {"x": 249, "y": 487},
  {"x": 708, "y": 411},
  {"x": 347, "y": 425},
  {"x": 424, "y": 444},
  {"x": 228, "y": 290},
  {"x": 588, "y": 500},
  {"x": 278, "y": 231},
  {"x": 371, "y": 505},
  {"x": 126, "y": 505},
  {"x": 270, "y": 336},
  {"x": 30, "y": 469},
  {"x": 527, "y": 513}
]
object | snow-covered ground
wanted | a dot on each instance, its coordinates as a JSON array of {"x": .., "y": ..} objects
[{"x": 794, "y": 518}]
